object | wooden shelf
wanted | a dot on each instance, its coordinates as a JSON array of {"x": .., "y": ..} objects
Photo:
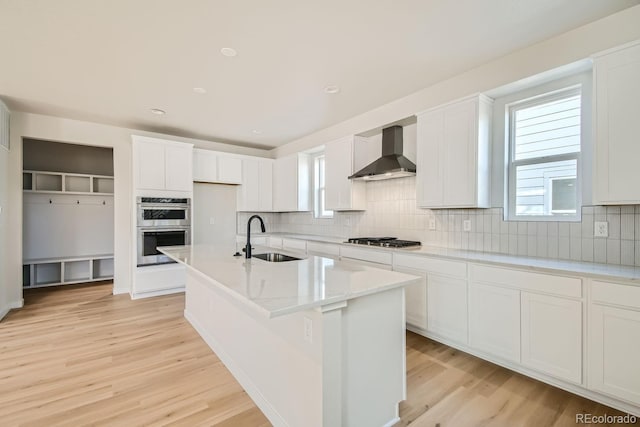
[
  {"x": 38, "y": 273},
  {"x": 66, "y": 183}
]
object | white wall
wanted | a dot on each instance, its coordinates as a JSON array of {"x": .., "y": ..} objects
[
  {"x": 5, "y": 247},
  {"x": 555, "y": 52},
  {"x": 77, "y": 132}
]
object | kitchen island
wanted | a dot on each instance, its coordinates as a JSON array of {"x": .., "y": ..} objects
[{"x": 314, "y": 342}]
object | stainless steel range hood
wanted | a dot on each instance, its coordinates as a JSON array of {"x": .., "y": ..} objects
[{"x": 392, "y": 164}]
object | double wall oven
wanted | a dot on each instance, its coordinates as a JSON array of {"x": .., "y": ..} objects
[{"x": 161, "y": 221}]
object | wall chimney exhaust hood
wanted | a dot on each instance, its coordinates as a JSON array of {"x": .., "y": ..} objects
[{"x": 392, "y": 164}]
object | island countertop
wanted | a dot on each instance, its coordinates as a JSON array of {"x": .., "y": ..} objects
[{"x": 279, "y": 288}]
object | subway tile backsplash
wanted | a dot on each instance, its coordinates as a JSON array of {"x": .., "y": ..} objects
[{"x": 391, "y": 211}]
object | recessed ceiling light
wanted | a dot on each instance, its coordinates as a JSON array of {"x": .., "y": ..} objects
[
  {"x": 228, "y": 51},
  {"x": 332, "y": 89},
  {"x": 199, "y": 90},
  {"x": 256, "y": 132},
  {"x": 158, "y": 111}
]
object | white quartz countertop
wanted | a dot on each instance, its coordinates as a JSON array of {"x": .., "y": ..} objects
[
  {"x": 279, "y": 288},
  {"x": 599, "y": 271}
]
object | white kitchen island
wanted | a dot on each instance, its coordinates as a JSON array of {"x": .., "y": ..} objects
[{"x": 314, "y": 342}]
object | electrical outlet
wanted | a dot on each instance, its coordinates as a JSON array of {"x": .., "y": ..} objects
[
  {"x": 347, "y": 221},
  {"x": 212, "y": 221},
  {"x": 466, "y": 225},
  {"x": 601, "y": 229},
  {"x": 308, "y": 330},
  {"x": 432, "y": 224}
]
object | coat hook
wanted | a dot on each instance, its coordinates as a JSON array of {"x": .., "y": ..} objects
[
  {"x": 104, "y": 203},
  {"x": 49, "y": 201},
  {"x": 77, "y": 202}
]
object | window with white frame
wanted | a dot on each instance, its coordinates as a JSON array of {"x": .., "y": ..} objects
[
  {"x": 318, "y": 186},
  {"x": 544, "y": 157}
]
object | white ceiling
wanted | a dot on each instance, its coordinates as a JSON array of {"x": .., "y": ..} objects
[{"x": 112, "y": 61}]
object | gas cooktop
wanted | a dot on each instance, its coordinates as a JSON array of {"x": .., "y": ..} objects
[{"x": 385, "y": 242}]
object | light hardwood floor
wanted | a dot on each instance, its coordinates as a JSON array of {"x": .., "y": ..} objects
[{"x": 80, "y": 356}]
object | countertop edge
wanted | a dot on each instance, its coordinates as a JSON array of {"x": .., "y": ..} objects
[{"x": 553, "y": 266}]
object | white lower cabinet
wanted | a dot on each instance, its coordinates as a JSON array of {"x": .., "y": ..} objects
[
  {"x": 494, "y": 320},
  {"x": 447, "y": 307},
  {"x": 614, "y": 337},
  {"x": 415, "y": 297},
  {"x": 513, "y": 316},
  {"x": 552, "y": 336}
]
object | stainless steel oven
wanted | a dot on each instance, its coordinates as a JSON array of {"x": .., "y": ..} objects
[
  {"x": 149, "y": 238},
  {"x": 161, "y": 221},
  {"x": 163, "y": 212}
]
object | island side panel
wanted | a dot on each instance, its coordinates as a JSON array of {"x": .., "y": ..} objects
[
  {"x": 374, "y": 369},
  {"x": 279, "y": 370}
]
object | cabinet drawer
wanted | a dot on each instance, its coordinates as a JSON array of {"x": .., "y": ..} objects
[
  {"x": 366, "y": 255},
  {"x": 615, "y": 293},
  {"x": 432, "y": 265},
  {"x": 535, "y": 282},
  {"x": 296, "y": 245},
  {"x": 323, "y": 248}
]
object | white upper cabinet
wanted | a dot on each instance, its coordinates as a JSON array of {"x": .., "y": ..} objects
[
  {"x": 617, "y": 127},
  {"x": 161, "y": 165},
  {"x": 255, "y": 194},
  {"x": 453, "y": 154},
  {"x": 291, "y": 183},
  {"x": 212, "y": 166},
  {"x": 341, "y": 193}
]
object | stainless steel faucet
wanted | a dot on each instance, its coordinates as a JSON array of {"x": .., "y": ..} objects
[{"x": 247, "y": 248}]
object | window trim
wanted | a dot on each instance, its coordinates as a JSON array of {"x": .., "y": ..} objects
[
  {"x": 319, "y": 192},
  {"x": 512, "y": 164}
]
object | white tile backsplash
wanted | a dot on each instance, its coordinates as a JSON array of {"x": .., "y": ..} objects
[{"x": 391, "y": 210}]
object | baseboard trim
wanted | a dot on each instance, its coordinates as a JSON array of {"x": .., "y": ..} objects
[
  {"x": 120, "y": 291},
  {"x": 11, "y": 306},
  {"x": 254, "y": 393},
  {"x": 140, "y": 295}
]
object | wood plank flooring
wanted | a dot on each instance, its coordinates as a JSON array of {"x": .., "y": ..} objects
[{"x": 77, "y": 355}]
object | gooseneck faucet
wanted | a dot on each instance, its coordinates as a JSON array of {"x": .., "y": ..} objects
[{"x": 247, "y": 248}]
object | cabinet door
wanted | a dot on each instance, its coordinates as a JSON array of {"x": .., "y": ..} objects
[
  {"x": 249, "y": 190},
  {"x": 614, "y": 334},
  {"x": 617, "y": 148},
  {"x": 150, "y": 165},
  {"x": 285, "y": 184},
  {"x": 494, "y": 320},
  {"x": 178, "y": 168},
  {"x": 552, "y": 336},
  {"x": 265, "y": 184},
  {"x": 415, "y": 298},
  {"x": 429, "y": 178},
  {"x": 459, "y": 154},
  {"x": 447, "y": 307},
  {"x": 229, "y": 170},
  {"x": 205, "y": 166}
]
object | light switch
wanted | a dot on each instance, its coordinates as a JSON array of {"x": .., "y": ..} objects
[
  {"x": 432, "y": 224},
  {"x": 601, "y": 229},
  {"x": 212, "y": 221},
  {"x": 466, "y": 225}
]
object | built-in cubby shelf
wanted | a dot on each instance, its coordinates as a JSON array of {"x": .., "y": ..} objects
[
  {"x": 61, "y": 182},
  {"x": 38, "y": 273}
]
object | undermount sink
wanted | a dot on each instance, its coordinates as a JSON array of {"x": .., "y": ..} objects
[{"x": 275, "y": 257}]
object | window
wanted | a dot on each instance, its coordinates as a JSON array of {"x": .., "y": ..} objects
[
  {"x": 544, "y": 157},
  {"x": 318, "y": 186}
]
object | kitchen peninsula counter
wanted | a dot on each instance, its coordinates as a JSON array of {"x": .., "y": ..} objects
[{"x": 314, "y": 342}]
